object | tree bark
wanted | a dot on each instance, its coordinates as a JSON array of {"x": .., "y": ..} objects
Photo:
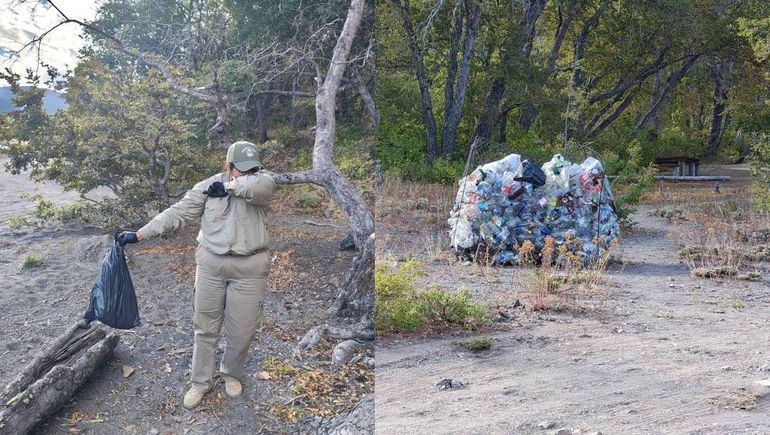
[
  {"x": 486, "y": 122},
  {"x": 259, "y": 107},
  {"x": 671, "y": 83},
  {"x": 422, "y": 80},
  {"x": 580, "y": 45},
  {"x": 51, "y": 378},
  {"x": 366, "y": 96},
  {"x": 456, "y": 92},
  {"x": 719, "y": 103},
  {"x": 356, "y": 295},
  {"x": 561, "y": 32}
]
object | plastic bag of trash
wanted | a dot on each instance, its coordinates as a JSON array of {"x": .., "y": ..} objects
[
  {"x": 505, "y": 204},
  {"x": 113, "y": 301}
]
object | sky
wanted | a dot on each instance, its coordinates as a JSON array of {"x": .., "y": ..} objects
[{"x": 22, "y": 20}]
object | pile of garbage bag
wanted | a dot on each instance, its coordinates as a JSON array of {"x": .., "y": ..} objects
[{"x": 504, "y": 204}]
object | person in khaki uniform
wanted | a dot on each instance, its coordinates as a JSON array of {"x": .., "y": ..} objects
[{"x": 232, "y": 261}]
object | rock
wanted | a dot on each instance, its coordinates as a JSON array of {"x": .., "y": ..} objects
[
  {"x": 368, "y": 362},
  {"x": 449, "y": 384},
  {"x": 563, "y": 431},
  {"x": 727, "y": 368},
  {"x": 347, "y": 244},
  {"x": 359, "y": 421},
  {"x": 546, "y": 425},
  {"x": 344, "y": 352}
]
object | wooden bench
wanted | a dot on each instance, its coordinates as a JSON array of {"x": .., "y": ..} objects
[{"x": 718, "y": 179}]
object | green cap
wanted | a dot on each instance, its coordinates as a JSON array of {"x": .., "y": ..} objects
[{"x": 244, "y": 156}]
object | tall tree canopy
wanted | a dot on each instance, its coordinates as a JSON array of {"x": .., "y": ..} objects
[{"x": 541, "y": 76}]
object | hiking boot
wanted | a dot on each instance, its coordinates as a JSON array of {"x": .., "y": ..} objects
[
  {"x": 233, "y": 388},
  {"x": 193, "y": 397}
]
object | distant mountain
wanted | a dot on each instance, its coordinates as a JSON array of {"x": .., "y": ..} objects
[{"x": 52, "y": 101}]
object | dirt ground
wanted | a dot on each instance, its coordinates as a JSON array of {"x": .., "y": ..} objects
[
  {"x": 659, "y": 352},
  {"x": 39, "y": 303}
]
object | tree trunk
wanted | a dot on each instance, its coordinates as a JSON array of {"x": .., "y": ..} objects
[
  {"x": 366, "y": 97},
  {"x": 532, "y": 11},
  {"x": 671, "y": 83},
  {"x": 654, "y": 132},
  {"x": 451, "y": 70},
  {"x": 422, "y": 80},
  {"x": 259, "y": 114},
  {"x": 561, "y": 32},
  {"x": 486, "y": 121},
  {"x": 580, "y": 45},
  {"x": 53, "y": 376},
  {"x": 356, "y": 295},
  {"x": 452, "y": 116},
  {"x": 718, "y": 72}
]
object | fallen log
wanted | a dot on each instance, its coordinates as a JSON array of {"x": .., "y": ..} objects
[{"x": 53, "y": 376}]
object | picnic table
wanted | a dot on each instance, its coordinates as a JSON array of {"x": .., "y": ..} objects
[{"x": 685, "y": 169}]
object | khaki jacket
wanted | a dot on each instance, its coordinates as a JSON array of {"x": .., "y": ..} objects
[{"x": 235, "y": 224}]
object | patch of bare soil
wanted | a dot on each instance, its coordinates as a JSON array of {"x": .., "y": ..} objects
[
  {"x": 660, "y": 352},
  {"x": 141, "y": 387}
]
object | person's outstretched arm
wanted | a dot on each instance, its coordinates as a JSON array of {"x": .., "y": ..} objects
[
  {"x": 257, "y": 189},
  {"x": 187, "y": 210}
]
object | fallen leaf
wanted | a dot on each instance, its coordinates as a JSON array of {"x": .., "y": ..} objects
[
  {"x": 167, "y": 369},
  {"x": 265, "y": 376},
  {"x": 127, "y": 371}
]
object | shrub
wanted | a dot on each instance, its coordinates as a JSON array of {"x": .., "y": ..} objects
[
  {"x": 400, "y": 308},
  {"x": 308, "y": 199},
  {"x": 32, "y": 260}
]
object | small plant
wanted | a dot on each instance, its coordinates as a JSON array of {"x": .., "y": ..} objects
[
  {"x": 32, "y": 260},
  {"x": 715, "y": 272},
  {"x": 277, "y": 368},
  {"x": 452, "y": 309},
  {"x": 289, "y": 413},
  {"x": 737, "y": 304},
  {"x": 308, "y": 199},
  {"x": 475, "y": 345},
  {"x": 757, "y": 253},
  {"x": 751, "y": 276}
]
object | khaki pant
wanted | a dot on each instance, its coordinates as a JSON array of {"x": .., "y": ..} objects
[{"x": 229, "y": 290}]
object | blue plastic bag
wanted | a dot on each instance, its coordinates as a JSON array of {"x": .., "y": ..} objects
[{"x": 113, "y": 301}]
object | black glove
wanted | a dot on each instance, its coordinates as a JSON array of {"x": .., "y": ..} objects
[
  {"x": 127, "y": 237},
  {"x": 216, "y": 190}
]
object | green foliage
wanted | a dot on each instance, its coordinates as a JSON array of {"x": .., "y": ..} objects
[
  {"x": 475, "y": 345},
  {"x": 542, "y": 105},
  {"x": 400, "y": 308},
  {"x": 32, "y": 260},
  {"x": 634, "y": 179},
  {"x": 308, "y": 199},
  {"x": 455, "y": 309},
  {"x": 129, "y": 134}
]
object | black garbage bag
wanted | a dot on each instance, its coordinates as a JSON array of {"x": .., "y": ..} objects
[
  {"x": 113, "y": 301},
  {"x": 532, "y": 174}
]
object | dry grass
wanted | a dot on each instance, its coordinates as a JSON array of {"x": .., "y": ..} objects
[
  {"x": 723, "y": 235},
  {"x": 410, "y": 205},
  {"x": 740, "y": 398},
  {"x": 561, "y": 284}
]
